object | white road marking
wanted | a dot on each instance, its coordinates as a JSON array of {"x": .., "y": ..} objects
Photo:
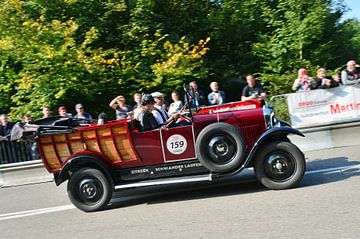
[
  {"x": 325, "y": 170},
  {"x": 28, "y": 213}
]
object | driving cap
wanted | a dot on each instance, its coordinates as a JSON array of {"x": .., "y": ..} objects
[
  {"x": 157, "y": 94},
  {"x": 147, "y": 99}
]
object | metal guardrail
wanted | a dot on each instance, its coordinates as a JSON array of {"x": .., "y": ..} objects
[{"x": 15, "y": 152}]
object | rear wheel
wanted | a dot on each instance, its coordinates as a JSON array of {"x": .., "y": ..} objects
[
  {"x": 280, "y": 165},
  {"x": 220, "y": 147},
  {"x": 89, "y": 190}
]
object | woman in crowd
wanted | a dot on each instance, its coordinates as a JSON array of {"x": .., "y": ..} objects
[{"x": 322, "y": 81}]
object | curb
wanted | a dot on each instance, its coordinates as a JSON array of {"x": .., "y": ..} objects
[{"x": 23, "y": 173}]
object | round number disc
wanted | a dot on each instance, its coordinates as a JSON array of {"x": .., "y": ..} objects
[{"x": 176, "y": 144}]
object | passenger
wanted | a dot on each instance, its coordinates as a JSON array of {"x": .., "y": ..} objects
[
  {"x": 159, "y": 112},
  {"x": 177, "y": 103},
  {"x": 303, "y": 82},
  {"x": 80, "y": 113},
  {"x": 350, "y": 75},
  {"x": 146, "y": 118},
  {"x": 216, "y": 97},
  {"x": 253, "y": 90},
  {"x": 121, "y": 109}
]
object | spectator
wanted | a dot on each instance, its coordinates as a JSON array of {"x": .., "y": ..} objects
[
  {"x": 216, "y": 97},
  {"x": 46, "y": 112},
  {"x": 177, "y": 103},
  {"x": 121, "y": 109},
  {"x": 5, "y": 126},
  {"x": 27, "y": 118},
  {"x": 80, "y": 113},
  {"x": 336, "y": 80},
  {"x": 253, "y": 90},
  {"x": 303, "y": 82},
  {"x": 146, "y": 118},
  {"x": 63, "y": 112},
  {"x": 322, "y": 81},
  {"x": 350, "y": 75},
  {"x": 159, "y": 113},
  {"x": 197, "y": 96},
  {"x": 137, "y": 100}
]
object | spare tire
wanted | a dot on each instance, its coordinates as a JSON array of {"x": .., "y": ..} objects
[{"x": 220, "y": 147}]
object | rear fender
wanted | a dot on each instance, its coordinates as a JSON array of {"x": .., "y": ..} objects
[
  {"x": 279, "y": 132},
  {"x": 81, "y": 161}
]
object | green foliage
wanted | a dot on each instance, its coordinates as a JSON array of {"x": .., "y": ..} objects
[
  {"x": 63, "y": 64},
  {"x": 62, "y": 52}
]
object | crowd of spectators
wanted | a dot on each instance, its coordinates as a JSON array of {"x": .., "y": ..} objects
[
  {"x": 163, "y": 112},
  {"x": 349, "y": 76}
]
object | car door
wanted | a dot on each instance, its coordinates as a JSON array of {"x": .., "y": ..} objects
[{"x": 178, "y": 143}]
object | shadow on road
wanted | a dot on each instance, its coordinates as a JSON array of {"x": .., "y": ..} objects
[
  {"x": 185, "y": 192},
  {"x": 330, "y": 170},
  {"x": 322, "y": 171}
]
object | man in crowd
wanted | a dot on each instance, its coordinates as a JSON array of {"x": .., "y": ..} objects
[
  {"x": 63, "y": 112},
  {"x": 350, "y": 75},
  {"x": 27, "y": 118},
  {"x": 80, "y": 113},
  {"x": 5, "y": 126},
  {"x": 253, "y": 90},
  {"x": 216, "y": 97},
  {"x": 197, "y": 96}
]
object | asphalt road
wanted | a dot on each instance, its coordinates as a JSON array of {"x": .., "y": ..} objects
[{"x": 325, "y": 205}]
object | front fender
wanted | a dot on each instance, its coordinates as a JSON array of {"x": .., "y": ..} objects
[
  {"x": 82, "y": 161},
  {"x": 279, "y": 132}
]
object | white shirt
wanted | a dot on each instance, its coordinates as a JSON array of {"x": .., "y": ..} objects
[
  {"x": 161, "y": 116},
  {"x": 175, "y": 107}
]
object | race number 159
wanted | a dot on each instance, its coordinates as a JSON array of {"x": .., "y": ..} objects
[{"x": 176, "y": 144}]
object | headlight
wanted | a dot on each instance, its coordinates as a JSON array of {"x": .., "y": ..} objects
[{"x": 269, "y": 115}]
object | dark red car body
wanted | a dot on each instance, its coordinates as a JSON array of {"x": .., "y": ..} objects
[{"x": 116, "y": 155}]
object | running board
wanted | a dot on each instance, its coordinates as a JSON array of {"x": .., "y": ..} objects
[{"x": 161, "y": 181}]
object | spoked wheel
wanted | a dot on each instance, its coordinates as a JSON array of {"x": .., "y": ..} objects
[
  {"x": 280, "y": 165},
  {"x": 220, "y": 147},
  {"x": 89, "y": 190}
]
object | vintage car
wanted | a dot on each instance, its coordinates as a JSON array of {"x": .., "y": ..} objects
[{"x": 216, "y": 142}]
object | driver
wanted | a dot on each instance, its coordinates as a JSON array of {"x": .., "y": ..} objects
[{"x": 146, "y": 118}]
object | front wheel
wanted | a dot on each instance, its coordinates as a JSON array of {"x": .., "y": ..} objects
[
  {"x": 280, "y": 165},
  {"x": 89, "y": 190}
]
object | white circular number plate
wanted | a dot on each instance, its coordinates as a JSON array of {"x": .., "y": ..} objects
[{"x": 176, "y": 144}]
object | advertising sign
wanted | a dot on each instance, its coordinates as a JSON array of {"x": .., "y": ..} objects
[{"x": 324, "y": 107}]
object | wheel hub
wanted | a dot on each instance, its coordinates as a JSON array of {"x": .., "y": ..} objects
[
  {"x": 279, "y": 166},
  {"x": 221, "y": 149},
  {"x": 88, "y": 188}
]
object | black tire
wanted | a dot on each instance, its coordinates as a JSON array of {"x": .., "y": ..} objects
[
  {"x": 220, "y": 147},
  {"x": 89, "y": 189},
  {"x": 280, "y": 165}
]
